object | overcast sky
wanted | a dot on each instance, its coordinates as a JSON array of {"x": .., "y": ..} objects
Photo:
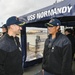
[{"x": 21, "y": 7}]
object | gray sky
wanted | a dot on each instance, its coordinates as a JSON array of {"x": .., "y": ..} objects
[{"x": 21, "y": 7}]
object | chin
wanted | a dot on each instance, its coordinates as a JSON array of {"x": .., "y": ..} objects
[{"x": 50, "y": 33}]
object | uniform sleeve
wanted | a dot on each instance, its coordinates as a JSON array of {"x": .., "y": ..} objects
[
  {"x": 67, "y": 60},
  {"x": 43, "y": 57},
  {"x": 44, "y": 53},
  {"x": 2, "y": 61}
]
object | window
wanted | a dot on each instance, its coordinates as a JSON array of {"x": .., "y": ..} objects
[{"x": 35, "y": 42}]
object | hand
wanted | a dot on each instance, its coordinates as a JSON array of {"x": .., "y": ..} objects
[{"x": 42, "y": 72}]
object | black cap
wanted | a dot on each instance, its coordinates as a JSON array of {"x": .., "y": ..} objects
[
  {"x": 14, "y": 20},
  {"x": 4, "y": 26},
  {"x": 53, "y": 22}
]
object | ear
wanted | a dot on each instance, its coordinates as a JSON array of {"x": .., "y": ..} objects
[
  {"x": 58, "y": 27},
  {"x": 10, "y": 27}
]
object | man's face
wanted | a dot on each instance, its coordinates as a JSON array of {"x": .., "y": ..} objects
[
  {"x": 4, "y": 30},
  {"x": 66, "y": 32},
  {"x": 16, "y": 29},
  {"x": 53, "y": 29}
]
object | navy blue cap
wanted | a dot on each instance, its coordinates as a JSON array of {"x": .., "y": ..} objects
[
  {"x": 53, "y": 22},
  {"x": 14, "y": 20},
  {"x": 4, "y": 26}
]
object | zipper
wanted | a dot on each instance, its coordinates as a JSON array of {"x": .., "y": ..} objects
[{"x": 17, "y": 44}]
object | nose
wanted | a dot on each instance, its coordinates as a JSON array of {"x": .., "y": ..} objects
[{"x": 20, "y": 28}]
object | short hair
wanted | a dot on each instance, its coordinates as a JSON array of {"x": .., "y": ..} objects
[{"x": 69, "y": 30}]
